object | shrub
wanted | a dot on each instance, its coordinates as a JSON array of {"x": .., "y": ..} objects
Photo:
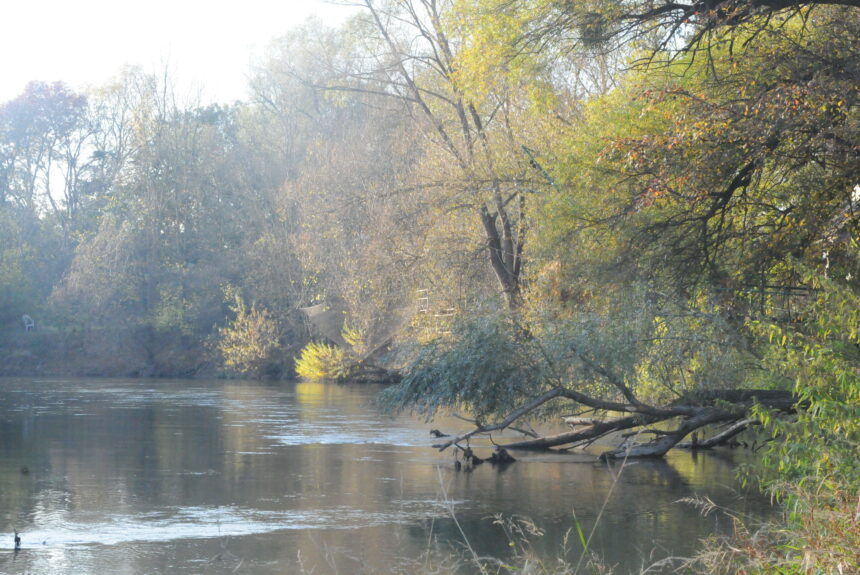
[
  {"x": 323, "y": 361},
  {"x": 250, "y": 344}
]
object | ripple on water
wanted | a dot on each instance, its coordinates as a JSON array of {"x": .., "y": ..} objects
[
  {"x": 205, "y": 523},
  {"x": 303, "y": 436}
]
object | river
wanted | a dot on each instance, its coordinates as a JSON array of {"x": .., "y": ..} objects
[{"x": 158, "y": 476}]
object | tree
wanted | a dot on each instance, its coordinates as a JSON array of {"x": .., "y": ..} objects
[
  {"x": 43, "y": 136},
  {"x": 333, "y": 204},
  {"x": 174, "y": 228},
  {"x": 46, "y": 134},
  {"x": 668, "y": 26},
  {"x": 250, "y": 344},
  {"x": 477, "y": 164},
  {"x": 625, "y": 369}
]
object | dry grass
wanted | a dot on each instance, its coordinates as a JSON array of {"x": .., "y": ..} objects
[{"x": 820, "y": 535}]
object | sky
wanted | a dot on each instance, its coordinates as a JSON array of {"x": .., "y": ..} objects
[{"x": 208, "y": 46}]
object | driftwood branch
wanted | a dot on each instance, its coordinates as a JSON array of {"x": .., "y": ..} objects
[{"x": 574, "y": 421}]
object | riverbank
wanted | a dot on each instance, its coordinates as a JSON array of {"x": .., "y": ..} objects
[
  {"x": 818, "y": 533},
  {"x": 49, "y": 351}
]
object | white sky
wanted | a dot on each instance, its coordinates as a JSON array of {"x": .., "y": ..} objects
[{"x": 206, "y": 45}]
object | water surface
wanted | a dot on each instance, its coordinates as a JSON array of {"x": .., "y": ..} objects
[{"x": 143, "y": 476}]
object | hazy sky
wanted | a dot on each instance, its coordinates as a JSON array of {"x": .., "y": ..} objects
[{"x": 206, "y": 44}]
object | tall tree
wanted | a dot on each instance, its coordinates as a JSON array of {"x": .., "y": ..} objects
[
  {"x": 478, "y": 162},
  {"x": 46, "y": 133}
]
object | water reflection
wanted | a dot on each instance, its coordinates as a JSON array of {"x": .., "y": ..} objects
[{"x": 221, "y": 477}]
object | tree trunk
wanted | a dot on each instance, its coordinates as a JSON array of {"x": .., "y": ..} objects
[
  {"x": 664, "y": 443},
  {"x": 590, "y": 432},
  {"x": 503, "y": 263}
]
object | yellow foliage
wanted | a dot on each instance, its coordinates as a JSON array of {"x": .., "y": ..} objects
[
  {"x": 250, "y": 342},
  {"x": 320, "y": 361}
]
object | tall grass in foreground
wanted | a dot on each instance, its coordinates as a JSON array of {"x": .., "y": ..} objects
[
  {"x": 461, "y": 558},
  {"x": 820, "y": 535}
]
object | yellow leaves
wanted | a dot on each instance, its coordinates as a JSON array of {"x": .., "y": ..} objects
[
  {"x": 249, "y": 341},
  {"x": 321, "y": 361}
]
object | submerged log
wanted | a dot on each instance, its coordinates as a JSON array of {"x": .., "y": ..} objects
[{"x": 501, "y": 456}]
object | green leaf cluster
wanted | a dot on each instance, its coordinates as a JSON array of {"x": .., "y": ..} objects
[
  {"x": 484, "y": 367},
  {"x": 819, "y": 358}
]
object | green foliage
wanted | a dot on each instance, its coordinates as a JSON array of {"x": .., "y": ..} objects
[
  {"x": 712, "y": 166},
  {"x": 812, "y": 463},
  {"x": 691, "y": 350},
  {"x": 485, "y": 367},
  {"x": 175, "y": 312},
  {"x": 820, "y": 359},
  {"x": 17, "y": 264},
  {"x": 323, "y": 361},
  {"x": 491, "y": 364}
]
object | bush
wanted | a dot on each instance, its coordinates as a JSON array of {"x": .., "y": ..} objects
[
  {"x": 250, "y": 344},
  {"x": 319, "y": 361}
]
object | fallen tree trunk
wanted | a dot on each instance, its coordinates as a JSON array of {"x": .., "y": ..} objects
[
  {"x": 598, "y": 428},
  {"x": 659, "y": 446},
  {"x": 694, "y": 411},
  {"x": 721, "y": 438},
  {"x": 715, "y": 406}
]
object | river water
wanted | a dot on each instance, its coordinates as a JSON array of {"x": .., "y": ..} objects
[{"x": 142, "y": 476}]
